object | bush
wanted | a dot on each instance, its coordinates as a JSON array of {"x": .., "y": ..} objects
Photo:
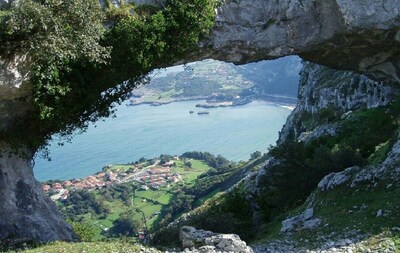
[
  {"x": 84, "y": 230},
  {"x": 228, "y": 213}
]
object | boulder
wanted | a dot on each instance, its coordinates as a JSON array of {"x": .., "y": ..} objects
[
  {"x": 207, "y": 241},
  {"x": 300, "y": 222}
]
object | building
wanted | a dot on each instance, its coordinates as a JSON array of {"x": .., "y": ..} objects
[
  {"x": 46, "y": 187},
  {"x": 56, "y": 186},
  {"x": 67, "y": 183},
  {"x": 159, "y": 171},
  {"x": 64, "y": 195}
]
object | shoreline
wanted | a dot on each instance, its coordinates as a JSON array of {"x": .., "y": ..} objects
[
  {"x": 282, "y": 101},
  {"x": 66, "y": 169}
]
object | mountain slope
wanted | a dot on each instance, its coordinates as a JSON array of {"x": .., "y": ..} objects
[{"x": 332, "y": 180}]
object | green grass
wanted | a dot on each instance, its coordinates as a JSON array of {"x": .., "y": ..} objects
[
  {"x": 189, "y": 175},
  {"x": 230, "y": 87},
  {"x": 161, "y": 196},
  {"x": 120, "y": 168},
  {"x": 87, "y": 247},
  {"x": 380, "y": 153},
  {"x": 202, "y": 200},
  {"x": 343, "y": 211},
  {"x": 349, "y": 208}
]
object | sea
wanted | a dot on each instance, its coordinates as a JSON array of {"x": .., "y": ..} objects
[{"x": 148, "y": 131}]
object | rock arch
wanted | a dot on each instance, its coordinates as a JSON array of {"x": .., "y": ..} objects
[{"x": 358, "y": 35}]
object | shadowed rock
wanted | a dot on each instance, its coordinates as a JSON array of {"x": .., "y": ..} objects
[{"x": 25, "y": 211}]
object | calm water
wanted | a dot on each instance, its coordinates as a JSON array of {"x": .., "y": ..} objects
[{"x": 146, "y": 131}]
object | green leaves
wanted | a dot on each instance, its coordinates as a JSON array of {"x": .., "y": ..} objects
[{"x": 79, "y": 69}]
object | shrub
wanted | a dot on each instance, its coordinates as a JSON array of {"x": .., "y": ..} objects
[{"x": 84, "y": 230}]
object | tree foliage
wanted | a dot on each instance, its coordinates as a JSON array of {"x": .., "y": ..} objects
[
  {"x": 297, "y": 171},
  {"x": 84, "y": 230},
  {"x": 125, "y": 224},
  {"x": 82, "y": 202},
  {"x": 219, "y": 162},
  {"x": 81, "y": 70},
  {"x": 255, "y": 155}
]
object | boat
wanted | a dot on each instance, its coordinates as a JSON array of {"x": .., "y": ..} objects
[
  {"x": 191, "y": 112},
  {"x": 203, "y": 112}
]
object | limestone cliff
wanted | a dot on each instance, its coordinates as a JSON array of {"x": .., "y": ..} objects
[
  {"x": 326, "y": 99},
  {"x": 361, "y": 35},
  {"x": 324, "y": 90},
  {"x": 14, "y": 89}
]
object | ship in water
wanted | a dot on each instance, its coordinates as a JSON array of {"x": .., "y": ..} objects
[{"x": 203, "y": 112}]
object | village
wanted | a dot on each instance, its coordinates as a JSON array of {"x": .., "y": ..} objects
[{"x": 148, "y": 176}]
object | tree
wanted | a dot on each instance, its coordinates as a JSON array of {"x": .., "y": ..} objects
[
  {"x": 78, "y": 71},
  {"x": 125, "y": 224},
  {"x": 188, "y": 164},
  {"x": 255, "y": 155}
]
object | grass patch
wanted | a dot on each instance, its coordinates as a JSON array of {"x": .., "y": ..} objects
[
  {"x": 120, "y": 168},
  {"x": 347, "y": 208},
  {"x": 202, "y": 200},
  {"x": 344, "y": 212},
  {"x": 87, "y": 247}
]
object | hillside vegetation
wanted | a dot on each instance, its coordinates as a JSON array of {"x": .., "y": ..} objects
[
  {"x": 138, "y": 198},
  {"x": 330, "y": 183}
]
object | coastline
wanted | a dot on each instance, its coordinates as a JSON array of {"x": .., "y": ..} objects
[
  {"x": 135, "y": 133},
  {"x": 283, "y": 101},
  {"x": 160, "y": 103}
]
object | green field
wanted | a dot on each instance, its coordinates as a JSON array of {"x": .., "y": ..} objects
[
  {"x": 148, "y": 202},
  {"x": 120, "y": 167}
]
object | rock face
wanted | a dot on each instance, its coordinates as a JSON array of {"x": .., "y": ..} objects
[
  {"x": 26, "y": 212},
  {"x": 305, "y": 220},
  {"x": 355, "y": 176},
  {"x": 326, "y": 90},
  {"x": 5, "y": 4},
  {"x": 322, "y": 90},
  {"x": 14, "y": 86},
  {"x": 194, "y": 240},
  {"x": 360, "y": 35}
]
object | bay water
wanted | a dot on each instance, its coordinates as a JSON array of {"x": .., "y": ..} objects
[{"x": 148, "y": 131}]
